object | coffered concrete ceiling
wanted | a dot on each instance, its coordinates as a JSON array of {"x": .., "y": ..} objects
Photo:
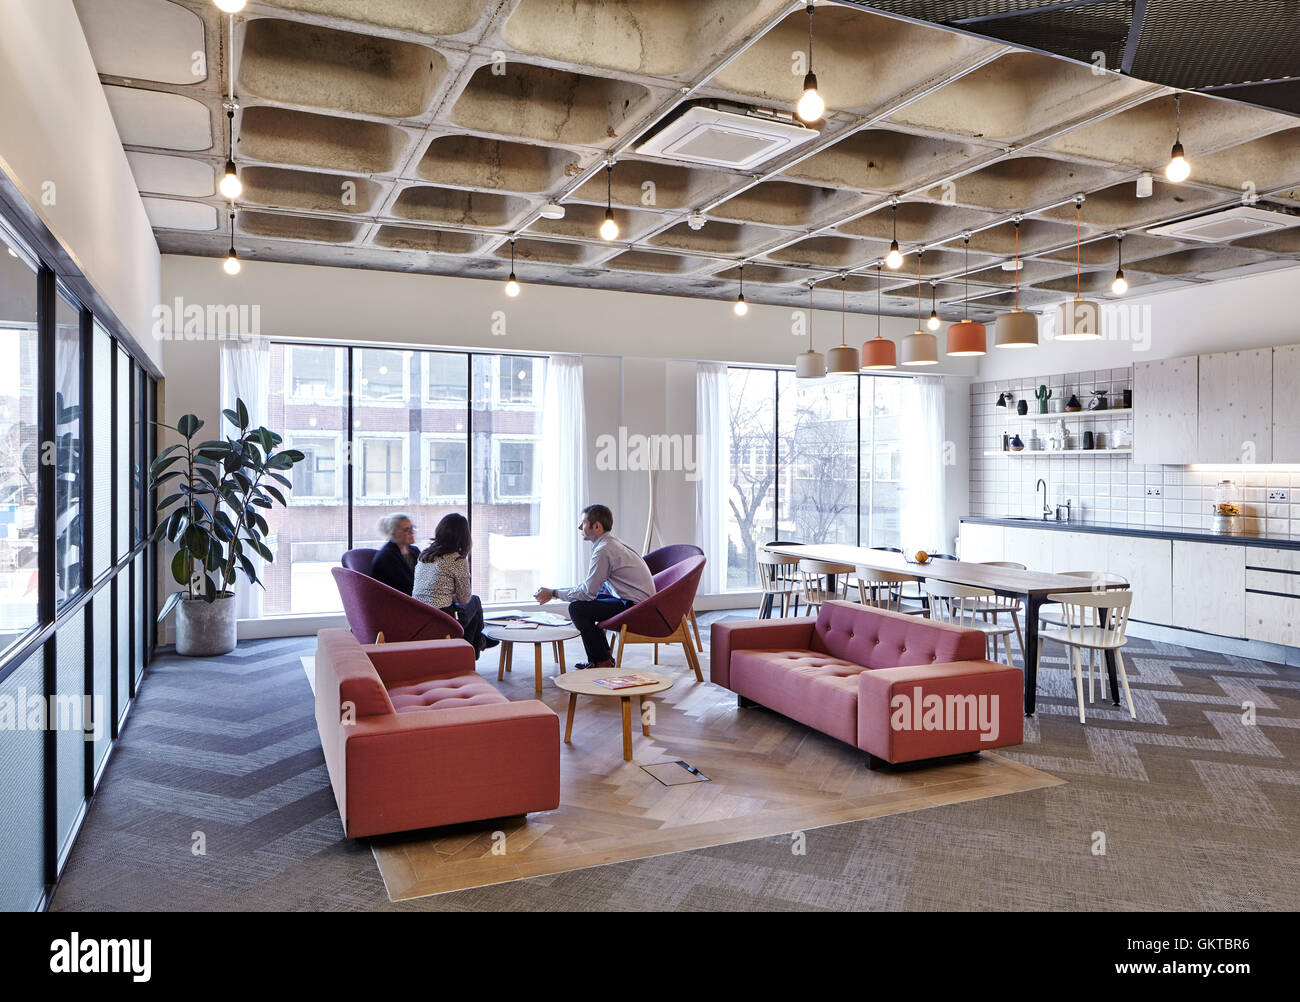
[{"x": 417, "y": 136}]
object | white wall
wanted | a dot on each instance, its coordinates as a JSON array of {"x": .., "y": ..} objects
[
  {"x": 638, "y": 353},
  {"x": 1253, "y": 312},
  {"x": 56, "y": 129}
]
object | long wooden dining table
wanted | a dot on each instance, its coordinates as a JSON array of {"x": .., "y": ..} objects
[{"x": 1031, "y": 587}]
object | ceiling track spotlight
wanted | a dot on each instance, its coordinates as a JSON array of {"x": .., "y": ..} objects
[
  {"x": 811, "y": 107},
  {"x": 512, "y": 283},
  {"x": 1016, "y": 329},
  {"x": 609, "y": 228},
  {"x": 919, "y": 348},
  {"x": 1120, "y": 285},
  {"x": 894, "y": 259},
  {"x": 741, "y": 307},
  {"x": 879, "y": 352},
  {"x": 967, "y": 338},
  {"x": 810, "y": 364},
  {"x": 843, "y": 360},
  {"x": 1080, "y": 318},
  {"x": 1178, "y": 169},
  {"x": 232, "y": 265}
]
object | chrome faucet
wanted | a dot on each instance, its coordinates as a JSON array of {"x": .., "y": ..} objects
[
  {"x": 1047, "y": 511},
  {"x": 1066, "y": 506}
]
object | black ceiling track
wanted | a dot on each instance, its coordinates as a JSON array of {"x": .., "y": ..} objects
[{"x": 1246, "y": 54}]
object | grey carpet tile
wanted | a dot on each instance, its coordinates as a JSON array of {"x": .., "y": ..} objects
[{"x": 1198, "y": 809}]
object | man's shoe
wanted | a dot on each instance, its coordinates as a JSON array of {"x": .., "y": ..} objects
[{"x": 583, "y": 666}]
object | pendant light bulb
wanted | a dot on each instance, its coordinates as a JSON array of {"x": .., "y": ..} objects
[
  {"x": 894, "y": 259},
  {"x": 512, "y": 283},
  {"x": 231, "y": 187},
  {"x": 741, "y": 306},
  {"x": 231, "y": 264},
  {"x": 1120, "y": 285},
  {"x": 933, "y": 322},
  {"x": 811, "y": 107},
  {"x": 230, "y": 6},
  {"x": 1178, "y": 169},
  {"x": 609, "y": 228}
]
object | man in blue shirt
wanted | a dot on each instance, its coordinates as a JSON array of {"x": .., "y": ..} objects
[{"x": 616, "y": 579}]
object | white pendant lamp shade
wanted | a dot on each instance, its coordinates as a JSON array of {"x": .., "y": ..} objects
[
  {"x": 810, "y": 365},
  {"x": 1080, "y": 320},
  {"x": 1016, "y": 329},
  {"x": 919, "y": 348}
]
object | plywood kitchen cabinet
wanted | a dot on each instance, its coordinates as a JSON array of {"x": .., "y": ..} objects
[
  {"x": 1078, "y": 551},
  {"x": 1164, "y": 411},
  {"x": 981, "y": 542},
  {"x": 1148, "y": 566},
  {"x": 1286, "y": 404},
  {"x": 1273, "y": 595},
  {"x": 1234, "y": 416},
  {"x": 1209, "y": 587},
  {"x": 1031, "y": 547}
]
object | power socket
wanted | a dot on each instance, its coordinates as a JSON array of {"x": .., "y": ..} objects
[
  {"x": 1153, "y": 492},
  {"x": 1277, "y": 495}
]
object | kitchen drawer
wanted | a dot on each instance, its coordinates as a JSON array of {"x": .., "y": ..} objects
[
  {"x": 1273, "y": 619},
  {"x": 1273, "y": 560},
  {"x": 1276, "y": 581}
]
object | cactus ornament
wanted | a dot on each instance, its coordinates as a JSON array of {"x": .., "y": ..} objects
[{"x": 1043, "y": 394}]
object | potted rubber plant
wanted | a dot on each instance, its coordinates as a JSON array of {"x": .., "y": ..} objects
[{"x": 212, "y": 495}]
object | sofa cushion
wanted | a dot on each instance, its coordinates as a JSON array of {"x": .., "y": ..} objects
[
  {"x": 807, "y": 686},
  {"x": 444, "y": 694},
  {"x": 877, "y": 638}
]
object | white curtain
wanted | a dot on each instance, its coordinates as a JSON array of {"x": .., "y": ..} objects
[
  {"x": 246, "y": 376},
  {"x": 923, "y": 516},
  {"x": 564, "y": 468},
  {"x": 713, "y": 431}
]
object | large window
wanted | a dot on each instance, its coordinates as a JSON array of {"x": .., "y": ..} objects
[
  {"x": 19, "y": 449},
  {"x": 424, "y": 433},
  {"x": 68, "y": 472},
  {"x": 810, "y": 460}
]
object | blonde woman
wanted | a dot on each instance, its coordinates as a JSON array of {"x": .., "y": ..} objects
[{"x": 394, "y": 564}]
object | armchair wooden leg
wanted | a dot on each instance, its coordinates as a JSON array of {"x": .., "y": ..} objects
[
  {"x": 622, "y": 644},
  {"x": 699, "y": 644},
  {"x": 692, "y": 658},
  {"x": 501, "y": 662}
]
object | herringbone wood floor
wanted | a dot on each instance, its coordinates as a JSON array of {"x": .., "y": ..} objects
[
  {"x": 768, "y": 775},
  {"x": 1199, "y": 810}
]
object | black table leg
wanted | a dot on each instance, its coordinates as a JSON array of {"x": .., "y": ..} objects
[
  {"x": 1112, "y": 671},
  {"x": 765, "y": 608},
  {"x": 1032, "y": 605}
]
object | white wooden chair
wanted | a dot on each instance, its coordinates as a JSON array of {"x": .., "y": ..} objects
[
  {"x": 960, "y": 605},
  {"x": 774, "y": 573},
  {"x": 1050, "y": 616},
  {"x": 813, "y": 574},
  {"x": 1097, "y": 621},
  {"x": 883, "y": 589}
]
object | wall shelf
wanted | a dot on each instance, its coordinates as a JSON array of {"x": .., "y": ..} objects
[
  {"x": 1070, "y": 415},
  {"x": 1073, "y": 453}
]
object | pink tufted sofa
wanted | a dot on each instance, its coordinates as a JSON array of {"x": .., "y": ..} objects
[
  {"x": 413, "y": 738},
  {"x": 898, "y": 687}
]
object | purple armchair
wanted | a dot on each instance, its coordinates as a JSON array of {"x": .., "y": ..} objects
[
  {"x": 663, "y": 558},
  {"x": 379, "y": 614},
  {"x": 663, "y": 618},
  {"x": 360, "y": 560}
]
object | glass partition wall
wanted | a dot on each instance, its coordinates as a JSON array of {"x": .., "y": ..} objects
[
  {"x": 810, "y": 460},
  {"x": 77, "y": 586}
]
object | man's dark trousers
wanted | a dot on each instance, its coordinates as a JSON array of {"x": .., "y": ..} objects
[{"x": 586, "y": 615}]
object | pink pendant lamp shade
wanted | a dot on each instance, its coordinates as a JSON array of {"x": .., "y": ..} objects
[
  {"x": 879, "y": 352},
  {"x": 967, "y": 338}
]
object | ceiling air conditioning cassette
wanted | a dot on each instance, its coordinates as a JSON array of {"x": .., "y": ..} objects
[
  {"x": 720, "y": 137},
  {"x": 1231, "y": 224}
]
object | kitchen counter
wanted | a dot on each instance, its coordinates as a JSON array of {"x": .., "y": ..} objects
[{"x": 1281, "y": 542}]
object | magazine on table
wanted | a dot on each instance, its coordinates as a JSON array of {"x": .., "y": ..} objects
[{"x": 626, "y": 681}]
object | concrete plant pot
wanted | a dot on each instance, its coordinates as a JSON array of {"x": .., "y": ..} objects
[{"x": 203, "y": 629}]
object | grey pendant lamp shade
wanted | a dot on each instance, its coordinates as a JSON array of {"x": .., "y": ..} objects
[
  {"x": 842, "y": 360},
  {"x": 810, "y": 364},
  {"x": 879, "y": 352},
  {"x": 1017, "y": 329},
  {"x": 919, "y": 347}
]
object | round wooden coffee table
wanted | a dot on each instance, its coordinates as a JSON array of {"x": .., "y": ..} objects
[
  {"x": 584, "y": 683},
  {"x": 509, "y": 636}
]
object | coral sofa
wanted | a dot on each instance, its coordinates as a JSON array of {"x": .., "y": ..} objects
[
  {"x": 898, "y": 687},
  {"x": 413, "y": 738}
]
